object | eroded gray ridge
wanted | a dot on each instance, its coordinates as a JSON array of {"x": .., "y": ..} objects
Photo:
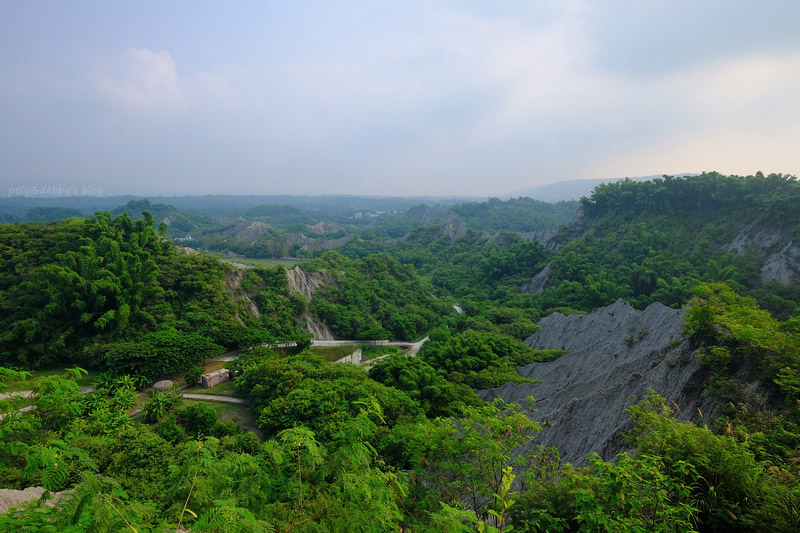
[{"x": 616, "y": 354}]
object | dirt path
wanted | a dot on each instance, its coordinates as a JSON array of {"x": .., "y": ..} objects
[
  {"x": 6, "y": 395},
  {"x": 215, "y": 398}
]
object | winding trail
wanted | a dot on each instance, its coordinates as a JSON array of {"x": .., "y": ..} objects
[
  {"x": 412, "y": 347},
  {"x": 356, "y": 358},
  {"x": 29, "y": 394},
  {"x": 215, "y": 398}
]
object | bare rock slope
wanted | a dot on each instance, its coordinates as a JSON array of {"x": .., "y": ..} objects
[
  {"x": 233, "y": 284},
  {"x": 615, "y": 354},
  {"x": 307, "y": 283},
  {"x": 778, "y": 253}
]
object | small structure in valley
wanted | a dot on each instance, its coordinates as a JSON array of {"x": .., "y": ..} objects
[{"x": 216, "y": 377}]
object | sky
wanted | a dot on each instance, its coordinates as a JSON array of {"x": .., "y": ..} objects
[{"x": 412, "y": 98}]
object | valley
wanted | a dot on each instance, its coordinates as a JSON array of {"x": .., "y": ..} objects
[{"x": 629, "y": 361}]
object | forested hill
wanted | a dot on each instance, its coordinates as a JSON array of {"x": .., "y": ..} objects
[
  {"x": 276, "y": 227},
  {"x": 409, "y": 445},
  {"x": 113, "y": 293},
  {"x": 654, "y": 241},
  {"x": 377, "y": 298},
  {"x": 710, "y": 196}
]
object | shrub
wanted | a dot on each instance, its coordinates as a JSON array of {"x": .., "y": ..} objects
[
  {"x": 160, "y": 404},
  {"x": 198, "y": 419},
  {"x": 223, "y": 429},
  {"x": 246, "y": 442},
  {"x": 169, "y": 430},
  {"x": 193, "y": 375}
]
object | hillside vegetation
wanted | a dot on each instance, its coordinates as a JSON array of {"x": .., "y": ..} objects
[
  {"x": 655, "y": 240},
  {"x": 112, "y": 293},
  {"x": 409, "y": 445},
  {"x": 300, "y": 227},
  {"x": 377, "y": 298}
]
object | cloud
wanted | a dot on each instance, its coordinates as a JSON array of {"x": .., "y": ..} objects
[
  {"x": 534, "y": 73},
  {"x": 145, "y": 80},
  {"x": 445, "y": 97},
  {"x": 739, "y": 92},
  {"x": 737, "y": 115},
  {"x": 644, "y": 39}
]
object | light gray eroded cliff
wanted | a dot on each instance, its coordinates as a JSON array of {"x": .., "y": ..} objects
[
  {"x": 307, "y": 283},
  {"x": 247, "y": 229},
  {"x": 543, "y": 237},
  {"x": 779, "y": 255},
  {"x": 319, "y": 243},
  {"x": 233, "y": 284},
  {"x": 538, "y": 284},
  {"x": 616, "y": 354}
]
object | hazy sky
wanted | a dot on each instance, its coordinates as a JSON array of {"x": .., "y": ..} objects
[{"x": 393, "y": 98}]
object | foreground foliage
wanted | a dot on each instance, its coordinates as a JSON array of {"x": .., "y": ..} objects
[
  {"x": 408, "y": 446},
  {"x": 214, "y": 479}
]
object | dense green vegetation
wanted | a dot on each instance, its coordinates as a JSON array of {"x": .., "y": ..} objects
[
  {"x": 479, "y": 359},
  {"x": 516, "y": 214},
  {"x": 655, "y": 240},
  {"x": 283, "y": 230},
  {"x": 681, "y": 478},
  {"x": 407, "y": 445},
  {"x": 337, "y": 471},
  {"x": 113, "y": 293},
  {"x": 71, "y": 285},
  {"x": 482, "y": 274},
  {"x": 742, "y": 341},
  {"x": 285, "y": 226},
  {"x": 377, "y": 298},
  {"x": 268, "y": 288}
]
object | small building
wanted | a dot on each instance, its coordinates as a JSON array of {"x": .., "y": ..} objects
[{"x": 215, "y": 378}]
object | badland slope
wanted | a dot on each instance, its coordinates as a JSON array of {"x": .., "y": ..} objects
[{"x": 615, "y": 354}]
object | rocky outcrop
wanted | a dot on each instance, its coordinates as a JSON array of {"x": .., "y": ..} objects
[
  {"x": 452, "y": 229},
  {"x": 163, "y": 385},
  {"x": 233, "y": 283},
  {"x": 538, "y": 284},
  {"x": 325, "y": 226},
  {"x": 615, "y": 354},
  {"x": 319, "y": 330},
  {"x": 311, "y": 243},
  {"x": 782, "y": 266},
  {"x": 307, "y": 283},
  {"x": 779, "y": 255},
  {"x": 543, "y": 237},
  {"x": 10, "y": 498},
  {"x": 250, "y": 230}
]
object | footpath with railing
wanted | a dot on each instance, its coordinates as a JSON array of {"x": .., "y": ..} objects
[
  {"x": 356, "y": 357},
  {"x": 412, "y": 346}
]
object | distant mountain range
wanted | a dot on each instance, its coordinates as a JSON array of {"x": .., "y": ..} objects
[
  {"x": 572, "y": 189},
  {"x": 24, "y": 208},
  {"x": 16, "y": 208}
]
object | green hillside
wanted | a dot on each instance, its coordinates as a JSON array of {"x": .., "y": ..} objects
[{"x": 407, "y": 445}]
